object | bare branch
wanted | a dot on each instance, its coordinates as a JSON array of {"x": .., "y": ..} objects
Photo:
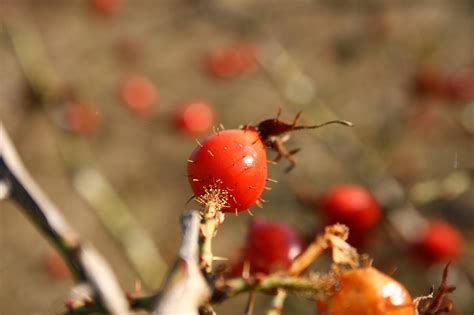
[
  {"x": 190, "y": 289},
  {"x": 85, "y": 263}
]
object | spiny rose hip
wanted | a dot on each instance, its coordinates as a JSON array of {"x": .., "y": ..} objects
[
  {"x": 271, "y": 246},
  {"x": 194, "y": 117},
  {"x": 368, "y": 291},
  {"x": 440, "y": 241},
  {"x": 351, "y": 205},
  {"x": 233, "y": 160}
]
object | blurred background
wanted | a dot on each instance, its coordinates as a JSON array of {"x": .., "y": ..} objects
[{"x": 94, "y": 94}]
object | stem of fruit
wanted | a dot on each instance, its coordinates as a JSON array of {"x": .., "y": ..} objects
[
  {"x": 298, "y": 266},
  {"x": 211, "y": 218},
  {"x": 308, "y": 256},
  {"x": 223, "y": 290},
  {"x": 278, "y": 302}
]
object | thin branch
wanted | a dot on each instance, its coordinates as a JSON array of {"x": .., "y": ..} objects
[
  {"x": 225, "y": 289},
  {"x": 278, "y": 302},
  {"x": 86, "y": 265},
  {"x": 190, "y": 290},
  {"x": 233, "y": 287}
]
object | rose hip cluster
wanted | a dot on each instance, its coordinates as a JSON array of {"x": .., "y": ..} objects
[{"x": 235, "y": 161}]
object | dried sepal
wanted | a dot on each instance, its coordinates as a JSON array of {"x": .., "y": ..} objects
[
  {"x": 342, "y": 252},
  {"x": 435, "y": 302}
]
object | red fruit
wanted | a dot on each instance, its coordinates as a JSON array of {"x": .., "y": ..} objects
[
  {"x": 367, "y": 291},
  {"x": 107, "y": 7},
  {"x": 233, "y": 160},
  {"x": 271, "y": 246},
  {"x": 194, "y": 117},
  {"x": 230, "y": 61},
  {"x": 81, "y": 118},
  {"x": 139, "y": 94},
  {"x": 439, "y": 242},
  {"x": 56, "y": 266},
  {"x": 461, "y": 85},
  {"x": 429, "y": 81},
  {"x": 351, "y": 205}
]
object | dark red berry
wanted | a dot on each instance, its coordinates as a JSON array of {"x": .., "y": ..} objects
[
  {"x": 440, "y": 241},
  {"x": 271, "y": 246},
  {"x": 194, "y": 117},
  {"x": 429, "y": 81},
  {"x": 351, "y": 205},
  {"x": 233, "y": 160}
]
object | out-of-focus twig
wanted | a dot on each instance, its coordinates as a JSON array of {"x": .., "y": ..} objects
[
  {"x": 189, "y": 289},
  {"x": 89, "y": 182},
  {"x": 277, "y": 302},
  {"x": 86, "y": 265},
  {"x": 224, "y": 289}
]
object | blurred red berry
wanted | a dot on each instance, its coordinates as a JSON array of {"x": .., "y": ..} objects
[
  {"x": 139, "y": 94},
  {"x": 368, "y": 291},
  {"x": 351, "y": 205},
  {"x": 106, "y": 7},
  {"x": 460, "y": 85},
  {"x": 271, "y": 246},
  {"x": 194, "y": 117},
  {"x": 55, "y": 265},
  {"x": 230, "y": 61},
  {"x": 429, "y": 81},
  {"x": 440, "y": 241},
  {"x": 81, "y": 118}
]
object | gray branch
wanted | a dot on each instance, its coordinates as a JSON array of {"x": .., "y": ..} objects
[
  {"x": 190, "y": 289},
  {"x": 87, "y": 266}
]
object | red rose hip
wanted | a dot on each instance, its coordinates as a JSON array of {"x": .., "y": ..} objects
[
  {"x": 81, "y": 118},
  {"x": 194, "y": 117},
  {"x": 233, "y": 160},
  {"x": 440, "y": 241},
  {"x": 351, "y": 205},
  {"x": 139, "y": 94},
  {"x": 368, "y": 291},
  {"x": 271, "y": 246}
]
